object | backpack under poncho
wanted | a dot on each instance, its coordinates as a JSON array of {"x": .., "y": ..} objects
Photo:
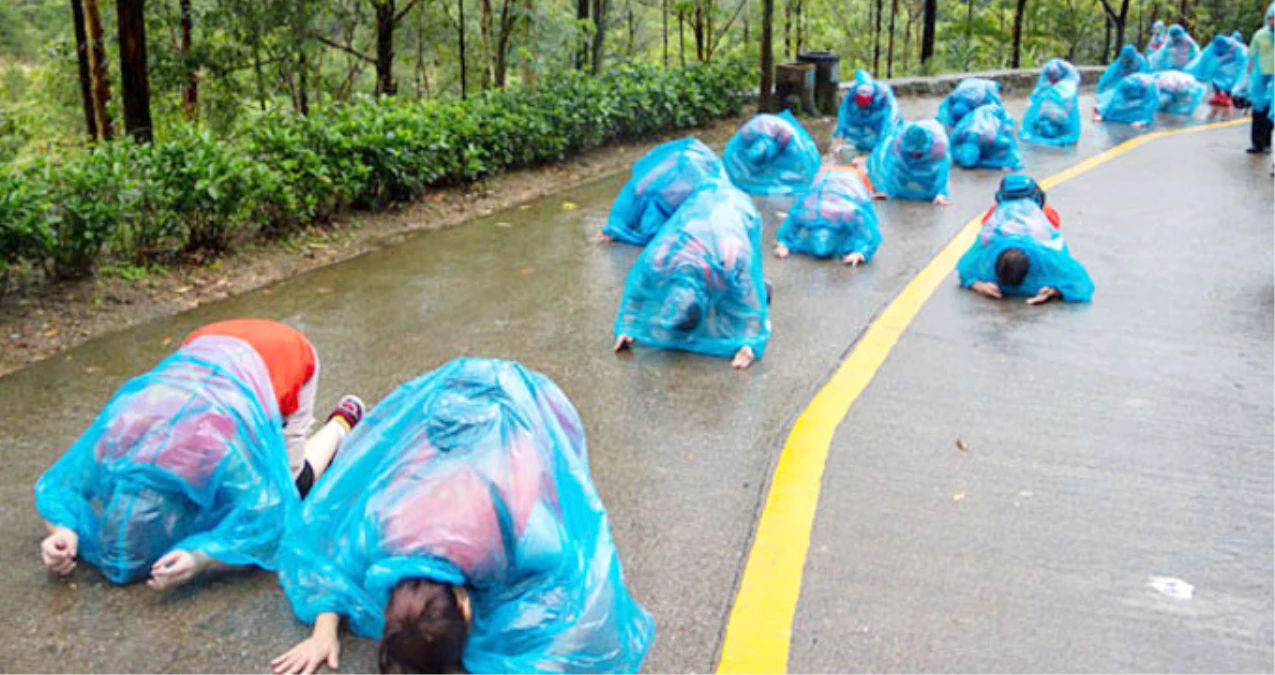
[
  {"x": 1023, "y": 225},
  {"x": 1135, "y": 99},
  {"x": 833, "y": 218},
  {"x": 1128, "y": 63},
  {"x": 771, "y": 155},
  {"x": 1221, "y": 63},
  {"x": 869, "y": 113},
  {"x": 475, "y": 474},
  {"x": 698, "y": 285},
  {"x": 661, "y": 181},
  {"x": 985, "y": 139},
  {"x": 914, "y": 163},
  {"x": 969, "y": 94},
  {"x": 1177, "y": 52},
  {"x": 189, "y": 456},
  {"x": 1180, "y": 93}
]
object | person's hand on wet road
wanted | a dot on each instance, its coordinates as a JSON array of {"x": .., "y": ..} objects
[
  {"x": 58, "y": 550},
  {"x": 853, "y": 259},
  {"x": 173, "y": 569},
  {"x": 986, "y": 288},
  {"x": 1045, "y": 295},
  {"x": 321, "y": 647},
  {"x": 781, "y": 251},
  {"x": 942, "y": 200},
  {"x": 743, "y": 358},
  {"x": 622, "y": 343}
]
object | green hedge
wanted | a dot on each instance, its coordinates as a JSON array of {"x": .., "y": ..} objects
[{"x": 139, "y": 204}]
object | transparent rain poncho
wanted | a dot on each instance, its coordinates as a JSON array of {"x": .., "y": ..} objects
[
  {"x": 1177, "y": 52},
  {"x": 1134, "y": 100},
  {"x": 1023, "y": 225},
  {"x": 914, "y": 163},
  {"x": 698, "y": 285},
  {"x": 969, "y": 94},
  {"x": 771, "y": 155},
  {"x": 1180, "y": 93},
  {"x": 833, "y": 218},
  {"x": 1128, "y": 63},
  {"x": 1158, "y": 38},
  {"x": 475, "y": 474},
  {"x": 661, "y": 181},
  {"x": 189, "y": 456},
  {"x": 869, "y": 113},
  {"x": 1053, "y": 116},
  {"x": 1256, "y": 88},
  {"x": 1221, "y": 63},
  {"x": 985, "y": 139}
]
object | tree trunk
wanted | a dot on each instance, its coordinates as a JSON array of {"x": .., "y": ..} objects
[
  {"x": 664, "y": 30},
  {"x": 1106, "y": 41},
  {"x": 385, "y": 48},
  {"x": 766, "y": 100},
  {"x": 599, "y": 33},
  {"x": 133, "y": 73},
  {"x": 800, "y": 28},
  {"x": 97, "y": 69},
  {"x": 969, "y": 22},
  {"x": 303, "y": 92},
  {"x": 484, "y": 32},
  {"x": 1019, "y": 11},
  {"x": 502, "y": 42},
  {"x": 907, "y": 38},
  {"x": 876, "y": 40},
  {"x": 698, "y": 29},
  {"x": 190, "y": 93},
  {"x": 531, "y": 35},
  {"x": 582, "y": 50},
  {"x": 681, "y": 38},
  {"x": 889, "y": 56},
  {"x": 787, "y": 28},
  {"x": 927, "y": 31},
  {"x": 82, "y": 59},
  {"x": 460, "y": 29}
]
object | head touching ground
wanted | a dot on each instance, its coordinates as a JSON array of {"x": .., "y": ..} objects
[
  {"x": 426, "y": 625},
  {"x": 1011, "y": 267}
]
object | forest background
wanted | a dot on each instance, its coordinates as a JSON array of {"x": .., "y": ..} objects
[{"x": 250, "y": 118}]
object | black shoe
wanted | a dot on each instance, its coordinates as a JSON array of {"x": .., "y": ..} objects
[{"x": 1253, "y": 151}]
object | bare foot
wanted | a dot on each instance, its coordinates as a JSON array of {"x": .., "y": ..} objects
[
  {"x": 942, "y": 201},
  {"x": 602, "y": 238},
  {"x": 1139, "y": 125},
  {"x": 622, "y": 343},
  {"x": 781, "y": 251},
  {"x": 743, "y": 358}
]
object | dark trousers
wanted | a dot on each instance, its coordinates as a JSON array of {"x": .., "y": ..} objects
[{"x": 1261, "y": 129}]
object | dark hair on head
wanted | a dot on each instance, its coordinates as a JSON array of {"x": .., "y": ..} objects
[
  {"x": 1011, "y": 266},
  {"x": 425, "y": 629}
]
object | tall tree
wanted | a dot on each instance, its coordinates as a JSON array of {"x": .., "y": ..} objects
[
  {"x": 582, "y": 48},
  {"x": 766, "y": 99},
  {"x": 599, "y": 11},
  {"x": 1117, "y": 19},
  {"x": 876, "y": 40},
  {"x": 927, "y": 32},
  {"x": 134, "y": 76},
  {"x": 889, "y": 53},
  {"x": 97, "y": 69},
  {"x": 1019, "y": 11},
  {"x": 190, "y": 92},
  {"x": 82, "y": 59},
  {"x": 664, "y": 29}
]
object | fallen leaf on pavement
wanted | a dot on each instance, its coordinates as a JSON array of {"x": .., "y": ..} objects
[
  {"x": 183, "y": 289},
  {"x": 504, "y": 224},
  {"x": 166, "y": 341},
  {"x": 569, "y": 206},
  {"x": 93, "y": 369},
  {"x": 962, "y": 445},
  {"x": 958, "y": 496}
]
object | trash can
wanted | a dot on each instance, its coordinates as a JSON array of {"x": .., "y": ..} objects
[
  {"x": 795, "y": 87},
  {"x": 826, "y": 79}
]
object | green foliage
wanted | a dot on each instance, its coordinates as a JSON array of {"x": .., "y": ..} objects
[{"x": 128, "y": 205}]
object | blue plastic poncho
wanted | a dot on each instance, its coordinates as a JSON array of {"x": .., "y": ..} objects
[
  {"x": 914, "y": 163},
  {"x": 1256, "y": 88},
  {"x": 869, "y": 113},
  {"x": 1157, "y": 39},
  {"x": 1128, "y": 63},
  {"x": 189, "y": 456},
  {"x": 1180, "y": 93},
  {"x": 1134, "y": 100},
  {"x": 833, "y": 218},
  {"x": 661, "y": 181},
  {"x": 1023, "y": 225},
  {"x": 698, "y": 286},
  {"x": 1053, "y": 116},
  {"x": 985, "y": 139},
  {"x": 475, "y": 474},
  {"x": 969, "y": 94},
  {"x": 1221, "y": 63},
  {"x": 1177, "y": 52},
  {"x": 771, "y": 155}
]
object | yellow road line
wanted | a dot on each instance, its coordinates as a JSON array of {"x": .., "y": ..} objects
[{"x": 759, "y": 630}]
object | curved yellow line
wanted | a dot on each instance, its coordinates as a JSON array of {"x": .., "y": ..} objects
[{"x": 759, "y": 629}]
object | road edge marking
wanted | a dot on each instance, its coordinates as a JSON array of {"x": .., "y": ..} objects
[{"x": 758, "y": 633}]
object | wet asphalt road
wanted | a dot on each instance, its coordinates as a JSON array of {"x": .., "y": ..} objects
[{"x": 1123, "y": 421}]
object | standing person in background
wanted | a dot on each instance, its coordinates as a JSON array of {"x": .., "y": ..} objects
[
  {"x": 1157, "y": 38},
  {"x": 1260, "y": 72}
]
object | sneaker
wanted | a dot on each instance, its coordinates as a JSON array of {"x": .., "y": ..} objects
[
  {"x": 1253, "y": 151},
  {"x": 349, "y": 411}
]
